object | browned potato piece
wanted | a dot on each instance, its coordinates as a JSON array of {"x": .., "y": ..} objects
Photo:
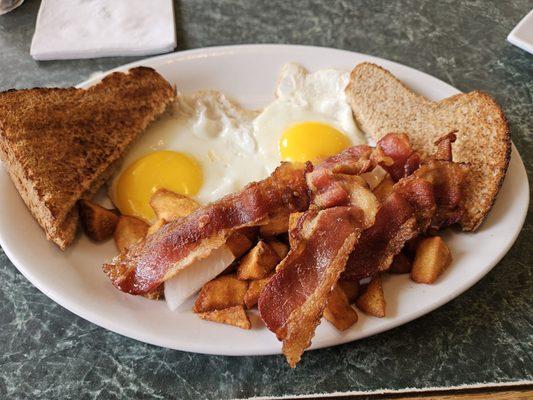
[
  {"x": 339, "y": 311},
  {"x": 169, "y": 206},
  {"x": 254, "y": 290},
  {"x": 156, "y": 226},
  {"x": 372, "y": 301},
  {"x": 432, "y": 258},
  {"x": 281, "y": 249},
  {"x": 238, "y": 244},
  {"x": 129, "y": 230},
  {"x": 251, "y": 232},
  {"x": 351, "y": 289},
  {"x": 275, "y": 226},
  {"x": 98, "y": 222},
  {"x": 258, "y": 262},
  {"x": 222, "y": 292},
  {"x": 384, "y": 188},
  {"x": 235, "y": 316},
  {"x": 400, "y": 264}
]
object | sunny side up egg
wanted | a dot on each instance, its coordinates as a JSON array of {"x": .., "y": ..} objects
[
  {"x": 309, "y": 120},
  {"x": 203, "y": 148}
]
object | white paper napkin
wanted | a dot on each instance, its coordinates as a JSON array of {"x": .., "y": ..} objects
[
  {"x": 68, "y": 29},
  {"x": 522, "y": 35}
]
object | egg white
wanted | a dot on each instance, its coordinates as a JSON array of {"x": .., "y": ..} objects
[{"x": 304, "y": 97}]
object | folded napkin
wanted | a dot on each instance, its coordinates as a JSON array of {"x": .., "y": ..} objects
[
  {"x": 68, "y": 29},
  {"x": 522, "y": 35}
]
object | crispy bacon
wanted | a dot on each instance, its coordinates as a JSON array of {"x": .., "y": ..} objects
[
  {"x": 431, "y": 197},
  {"x": 292, "y": 303},
  {"x": 326, "y": 189},
  {"x": 294, "y": 300},
  {"x": 353, "y": 161},
  {"x": 179, "y": 243},
  {"x": 402, "y": 159},
  {"x": 405, "y": 213},
  {"x": 444, "y": 147},
  {"x": 393, "y": 153},
  {"x": 448, "y": 179}
]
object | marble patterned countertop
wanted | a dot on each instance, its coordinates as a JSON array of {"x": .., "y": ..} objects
[{"x": 483, "y": 336}]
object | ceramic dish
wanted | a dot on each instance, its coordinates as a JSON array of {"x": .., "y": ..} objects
[{"x": 75, "y": 280}]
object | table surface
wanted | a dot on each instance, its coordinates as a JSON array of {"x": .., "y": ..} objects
[{"x": 483, "y": 336}]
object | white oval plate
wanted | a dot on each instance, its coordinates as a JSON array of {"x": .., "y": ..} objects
[{"x": 75, "y": 280}]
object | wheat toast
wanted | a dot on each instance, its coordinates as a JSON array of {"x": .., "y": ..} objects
[{"x": 60, "y": 144}]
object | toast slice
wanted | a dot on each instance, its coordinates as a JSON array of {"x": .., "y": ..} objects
[
  {"x": 60, "y": 145},
  {"x": 382, "y": 104}
]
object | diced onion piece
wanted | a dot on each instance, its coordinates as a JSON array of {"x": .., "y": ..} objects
[
  {"x": 374, "y": 177},
  {"x": 188, "y": 281}
]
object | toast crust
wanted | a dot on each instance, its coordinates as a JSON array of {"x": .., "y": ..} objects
[
  {"x": 60, "y": 145},
  {"x": 382, "y": 104}
]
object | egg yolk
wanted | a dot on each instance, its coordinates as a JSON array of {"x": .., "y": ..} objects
[
  {"x": 171, "y": 170},
  {"x": 311, "y": 141}
]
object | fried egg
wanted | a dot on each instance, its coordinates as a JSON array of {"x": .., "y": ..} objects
[
  {"x": 309, "y": 120},
  {"x": 204, "y": 148}
]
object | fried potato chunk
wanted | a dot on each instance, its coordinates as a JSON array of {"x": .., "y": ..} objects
[
  {"x": 169, "y": 206},
  {"x": 383, "y": 190},
  {"x": 339, "y": 311},
  {"x": 98, "y": 222},
  {"x": 222, "y": 292},
  {"x": 254, "y": 290},
  {"x": 281, "y": 249},
  {"x": 432, "y": 257},
  {"x": 129, "y": 230},
  {"x": 400, "y": 264},
  {"x": 235, "y": 316},
  {"x": 275, "y": 226},
  {"x": 238, "y": 244},
  {"x": 350, "y": 289},
  {"x": 251, "y": 232},
  {"x": 258, "y": 262},
  {"x": 372, "y": 301}
]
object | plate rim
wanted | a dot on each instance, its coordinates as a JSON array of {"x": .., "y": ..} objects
[{"x": 96, "y": 318}]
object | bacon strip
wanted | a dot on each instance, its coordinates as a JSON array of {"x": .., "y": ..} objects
[
  {"x": 179, "y": 243},
  {"x": 353, "y": 161},
  {"x": 405, "y": 213},
  {"x": 448, "y": 179},
  {"x": 293, "y": 301},
  {"x": 403, "y": 159},
  {"x": 430, "y": 198},
  {"x": 393, "y": 153}
]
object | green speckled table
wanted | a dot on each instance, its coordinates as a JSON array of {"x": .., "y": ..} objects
[{"x": 485, "y": 336}]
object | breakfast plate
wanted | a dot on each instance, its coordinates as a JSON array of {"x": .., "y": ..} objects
[{"x": 248, "y": 74}]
